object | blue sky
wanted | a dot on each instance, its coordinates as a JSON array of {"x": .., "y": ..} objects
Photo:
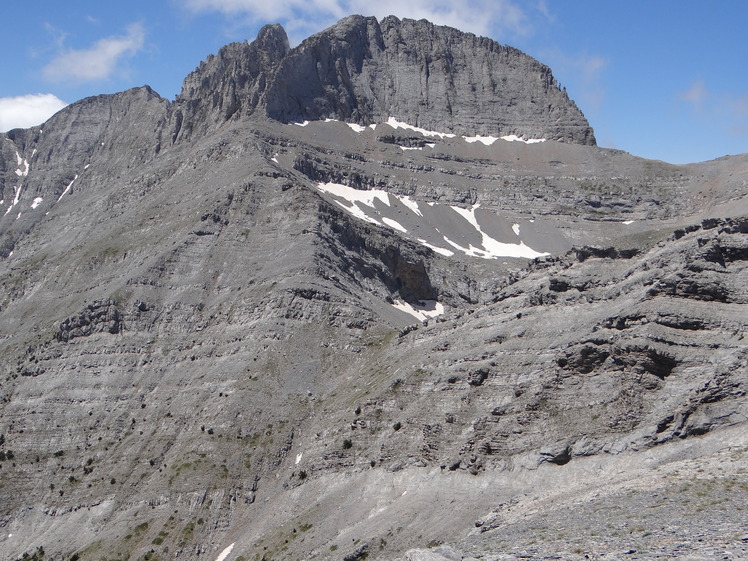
[{"x": 661, "y": 79}]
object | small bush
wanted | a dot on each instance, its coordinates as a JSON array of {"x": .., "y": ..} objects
[
  {"x": 347, "y": 443},
  {"x": 397, "y": 426}
]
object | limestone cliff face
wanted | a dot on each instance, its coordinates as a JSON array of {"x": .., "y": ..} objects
[
  {"x": 235, "y": 79},
  {"x": 40, "y": 165},
  {"x": 364, "y": 71}
]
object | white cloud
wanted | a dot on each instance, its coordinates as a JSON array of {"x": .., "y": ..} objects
[
  {"x": 27, "y": 110},
  {"x": 727, "y": 110},
  {"x": 696, "y": 94},
  {"x": 97, "y": 62},
  {"x": 499, "y": 17}
]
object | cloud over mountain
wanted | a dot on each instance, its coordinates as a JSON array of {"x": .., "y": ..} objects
[
  {"x": 27, "y": 110},
  {"x": 97, "y": 62},
  {"x": 477, "y": 16}
]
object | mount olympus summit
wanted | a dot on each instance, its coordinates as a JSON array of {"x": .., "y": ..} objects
[{"x": 377, "y": 296}]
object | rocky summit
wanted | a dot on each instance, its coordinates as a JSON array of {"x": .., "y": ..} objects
[{"x": 376, "y": 296}]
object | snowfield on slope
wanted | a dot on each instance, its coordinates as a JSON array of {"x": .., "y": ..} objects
[{"x": 437, "y": 226}]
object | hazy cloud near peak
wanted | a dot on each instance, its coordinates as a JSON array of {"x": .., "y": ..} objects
[
  {"x": 727, "y": 110},
  {"x": 27, "y": 110},
  {"x": 304, "y": 17},
  {"x": 97, "y": 62},
  {"x": 695, "y": 94}
]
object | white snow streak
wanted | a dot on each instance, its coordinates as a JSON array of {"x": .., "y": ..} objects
[
  {"x": 411, "y": 204},
  {"x": 298, "y": 457},
  {"x": 439, "y": 250},
  {"x": 627, "y": 222},
  {"x": 468, "y": 214},
  {"x": 355, "y": 127},
  {"x": 22, "y": 161},
  {"x": 225, "y": 553},
  {"x": 361, "y": 204},
  {"x": 16, "y": 198},
  {"x": 515, "y": 138},
  {"x": 487, "y": 140},
  {"x": 395, "y": 124},
  {"x": 37, "y": 202},
  {"x": 394, "y": 224},
  {"x": 355, "y": 195},
  {"x": 492, "y": 248},
  {"x": 67, "y": 188}
]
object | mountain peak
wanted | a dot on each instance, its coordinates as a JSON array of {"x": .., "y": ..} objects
[{"x": 364, "y": 71}]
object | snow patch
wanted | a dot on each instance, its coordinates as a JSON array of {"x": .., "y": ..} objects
[
  {"x": 439, "y": 250},
  {"x": 411, "y": 204},
  {"x": 487, "y": 140},
  {"x": 37, "y": 202},
  {"x": 404, "y": 148},
  {"x": 492, "y": 248},
  {"x": 515, "y": 138},
  {"x": 627, "y": 222},
  {"x": 361, "y": 204},
  {"x": 22, "y": 162},
  {"x": 354, "y": 196},
  {"x": 356, "y": 127},
  {"x": 298, "y": 457},
  {"x": 225, "y": 553},
  {"x": 394, "y": 224},
  {"x": 305, "y": 123},
  {"x": 423, "y": 311},
  {"x": 395, "y": 124}
]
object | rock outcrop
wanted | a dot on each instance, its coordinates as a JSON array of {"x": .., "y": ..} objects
[{"x": 364, "y": 71}]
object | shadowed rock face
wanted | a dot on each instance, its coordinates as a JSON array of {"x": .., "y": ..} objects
[
  {"x": 364, "y": 71},
  {"x": 210, "y": 330}
]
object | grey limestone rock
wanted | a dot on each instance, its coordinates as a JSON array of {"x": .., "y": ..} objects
[
  {"x": 200, "y": 347},
  {"x": 364, "y": 71}
]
